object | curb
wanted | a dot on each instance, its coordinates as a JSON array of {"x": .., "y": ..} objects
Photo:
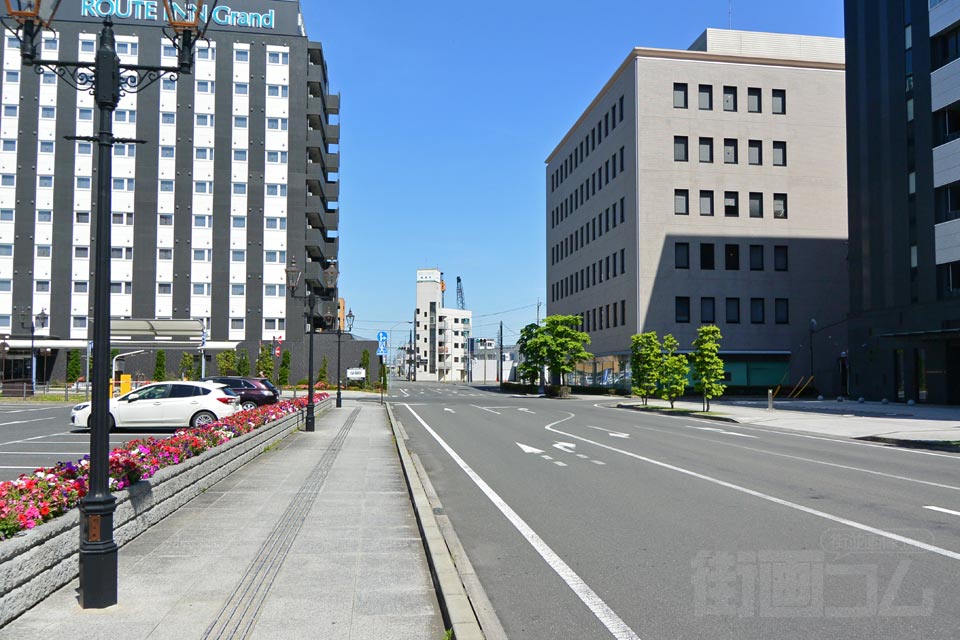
[
  {"x": 456, "y": 607},
  {"x": 936, "y": 445},
  {"x": 634, "y": 407}
]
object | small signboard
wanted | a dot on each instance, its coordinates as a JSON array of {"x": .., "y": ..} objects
[{"x": 357, "y": 373}]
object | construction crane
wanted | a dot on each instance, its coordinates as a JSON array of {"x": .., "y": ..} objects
[{"x": 461, "y": 301}]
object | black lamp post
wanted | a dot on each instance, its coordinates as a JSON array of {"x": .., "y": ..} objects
[
  {"x": 4, "y": 348},
  {"x": 813, "y": 329},
  {"x": 108, "y": 80},
  {"x": 350, "y": 319},
  {"x": 41, "y": 321},
  {"x": 293, "y": 281}
]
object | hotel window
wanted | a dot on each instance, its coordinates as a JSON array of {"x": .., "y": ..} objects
[
  {"x": 757, "y": 311},
  {"x": 241, "y": 55},
  {"x": 729, "y": 98},
  {"x": 6, "y": 250},
  {"x": 778, "y": 103},
  {"x": 79, "y": 322},
  {"x": 43, "y": 251},
  {"x": 239, "y": 155},
  {"x": 756, "y": 257},
  {"x": 236, "y": 324},
  {"x": 238, "y": 255},
  {"x": 681, "y": 255},
  {"x": 730, "y": 151},
  {"x": 81, "y": 217},
  {"x": 781, "y": 311},
  {"x": 277, "y": 90},
  {"x": 275, "y": 223},
  {"x": 681, "y": 202},
  {"x": 10, "y": 111},
  {"x": 277, "y": 124},
  {"x": 164, "y": 288},
  {"x": 48, "y": 113},
  {"x": 165, "y": 219},
  {"x": 731, "y": 204},
  {"x": 241, "y": 88},
  {"x": 204, "y": 255},
  {"x": 705, "y": 97},
  {"x": 205, "y": 120},
  {"x": 43, "y": 215},
  {"x": 51, "y": 44},
  {"x": 276, "y": 57},
  {"x": 277, "y": 157},
  {"x": 274, "y": 324},
  {"x": 125, "y": 219},
  {"x": 754, "y": 101},
  {"x": 240, "y": 122},
  {"x": 12, "y": 77},
  {"x": 128, "y": 48},
  {"x": 45, "y": 182},
  {"x": 277, "y": 190},
  {"x": 10, "y": 145},
  {"x": 706, "y": 256},
  {"x": 201, "y": 288},
  {"x": 779, "y": 154},
  {"x": 755, "y": 152},
  {"x": 124, "y": 184},
  {"x": 756, "y": 205},
  {"x": 780, "y": 205},
  {"x": 731, "y": 254},
  {"x": 203, "y": 221},
  {"x": 168, "y": 117},
  {"x": 278, "y": 257},
  {"x": 706, "y": 150},
  {"x": 202, "y": 186},
  {"x": 84, "y": 149},
  {"x": 10, "y": 180},
  {"x": 275, "y": 290},
  {"x": 203, "y": 153},
  {"x": 121, "y": 253},
  {"x": 781, "y": 258},
  {"x": 88, "y": 46},
  {"x": 733, "y": 310},
  {"x": 679, "y": 95},
  {"x": 125, "y": 150},
  {"x": 680, "y": 148},
  {"x": 81, "y": 252},
  {"x": 169, "y": 51},
  {"x": 682, "y": 309},
  {"x": 706, "y": 203},
  {"x": 166, "y": 186},
  {"x": 168, "y": 84},
  {"x": 237, "y": 289},
  {"x": 48, "y": 78},
  {"x": 238, "y": 222},
  {"x": 165, "y": 254},
  {"x": 206, "y": 53},
  {"x": 83, "y": 182},
  {"x": 239, "y": 188},
  {"x": 81, "y": 286},
  {"x": 708, "y": 311},
  {"x": 6, "y": 215},
  {"x": 125, "y": 115}
]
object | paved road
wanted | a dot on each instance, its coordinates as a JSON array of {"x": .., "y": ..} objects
[
  {"x": 609, "y": 523},
  {"x": 33, "y": 435}
]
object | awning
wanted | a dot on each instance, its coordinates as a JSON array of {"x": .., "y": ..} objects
[
  {"x": 21, "y": 344},
  {"x": 162, "y": 329}
]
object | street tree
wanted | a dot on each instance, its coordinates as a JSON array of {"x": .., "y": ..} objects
[
  {"x": 243, "y": 364},
  {"x": 283, "y": 377},
  {"x": 563, "y": 344},
  {"x": 531, "y": 352},
  {"x": 322, "y": 373},
  {"x": 160, "y": 366},
  {"x": 674, "y": 370},
  {"x": 707, "y": 364},
  {"x": 265, "y": 362},
  {"x": 646, "y": 361},
  {"x": 227, "y": 363},
  {"x": 365, "y": 365},
  {"x": 74, "y": 368},
  {"x": 185, "y": 368}
]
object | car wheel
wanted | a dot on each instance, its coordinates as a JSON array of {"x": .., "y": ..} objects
[
  {"x": 202, "y": 419},
  {"x": 113, "y": 423},
  {"x": 248, "y": 404}
]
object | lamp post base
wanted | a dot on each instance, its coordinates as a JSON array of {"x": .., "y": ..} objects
[
  {"x": 98, "y": 554},
  {"x": 310, "y": 424},
  {"x": 339, "y": 399}
]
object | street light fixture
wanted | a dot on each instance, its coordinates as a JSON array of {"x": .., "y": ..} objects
[
  {"x": 108, "y": 80},
  {"x": 41, "y": 320},
  {"x": 350, "y": 319}
]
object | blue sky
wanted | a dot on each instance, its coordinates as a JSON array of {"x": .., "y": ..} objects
[{"x": 448, "y": 112}]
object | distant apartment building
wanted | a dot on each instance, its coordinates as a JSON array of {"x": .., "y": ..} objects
[
  {"x": 903, "y": 119},
  {"x": 708, "y": 186},
  {"x": 440, "y": 334},
  {"x": 238, "y": 175}
]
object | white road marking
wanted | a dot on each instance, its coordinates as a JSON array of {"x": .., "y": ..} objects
[
  {"x": 7, "y": 424},
  {"x": 449, "y": 409},
  {"x": 32, "y": 410},
  {"x": 529, "y": 449},
  {"x": 566, "y": 447},
  {"x": 16, "y": 467},
  {"x": 525, "y": 410},
  {"x": 406, "y": 394},
  {"x": 597, "y": 462},
  {"x": 615, "y": 434},
  {"x": 559, "y": 464},
  {"x": 44, "y": 453},
  {"x": 953, "y": 555},
  {"x": 942, "y": 510},
  {"x": 617, "y": 627},
  {"x": 485, "y": 409},
  {"x": 584, "y": 456}
]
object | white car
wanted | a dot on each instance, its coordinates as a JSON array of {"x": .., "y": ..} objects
[{"x": 166, "y": 404}]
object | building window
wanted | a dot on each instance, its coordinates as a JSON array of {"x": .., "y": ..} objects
[
  {"x": 238, "y": 222},
  {"x": 241, "y": 88},
  {"x": 11, "y": 111},
  {"x": 203, "y": 221},
  {"x": 164, "y": 254},
  {"x": 731, "y": 254},
  {"x": 10, "y": 180},
  {"x": 277, "y": 124},
  {"x": 681, "y": 202},
  {"x": 755, "y": 152},
  {"x": 241, "y": 55},
  {"x": 781, "y": 310},
  {"x": 204, "y": 255},
  {"x": 168, "y": 117},
  {"x": 164, "y": 288},
  {"x": 43, "y": 251},
  {"x": 88, "y": 46},
  {"x": 706, "y": 256},
  {"x": 240, "y": 122},
  {"x": 165, "y": 219},
  {"x": 682, "y": 304},
  {"x": 708, "y": 311},
  {"x": 42, "y": 286},
  {"x": 706, "y": 203},
  {"x": 277, "y": 57},
  {"x": 756, "y": 205},
  {"x": 756, "y": 257},
  {"x": 201, "y": 288},
  {"x": 237, "y": 289},
  {"x": 277, "y": 157},
  {"x": 681, "y": 255},
  {"x": 756, "y": 311},
  {"x": 680, "y": 148},
  {"x": 277, "y": 91},
  {"x": 276, "y": 257},
  {"x": 79, "y": 322},
  {"x": 731, "y": 204},
  {"x": 754, "y": 100},
  {"x": 238, "y": 255},
  {"x": 279, "y": 190},
  {"x": 729, "y": 98},
  {"x": 779, "y": 205},
  {"x": 81, "y": 286},
  {"x": 239, "y": 155},
  {"x": 45, "y": 182},
  {"x": 778, "y": 104},
  {"x": 705, "y": 97},
  {"x": 730, "y": 151},
  {"x": 779, "y": 154},
  {"x": 706, "y": 149},
  {"x": 6, "y": 250},
  {"x": 733, "y": 310},
  {"x": 203, "y": 153},
  {"x": 239, "y": 188},
  {"x": 236, "y": 324},
  {"x": 6, "y": 215},
  {"x": 81, "y": 252},
  {"x": 781, "y": 259}
]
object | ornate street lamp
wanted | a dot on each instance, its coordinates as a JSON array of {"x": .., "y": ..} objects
[
  {"x": 293, "y": 281},
  {"x": 108, "y": 80},
  {"x": 41, "y": 321},
  {"x": 350, "y": 318}
]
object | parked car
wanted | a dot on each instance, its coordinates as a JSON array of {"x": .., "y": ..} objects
[
  {"x": 166, "y": 404},
  {"x": 253, "y": 392}
]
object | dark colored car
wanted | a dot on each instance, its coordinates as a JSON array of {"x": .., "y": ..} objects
[{"x": 253, "y": 392}]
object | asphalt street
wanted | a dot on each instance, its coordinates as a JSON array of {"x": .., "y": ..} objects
[
  {"x": 586, "y": 521},
  {"x": 36, "y": 435}
]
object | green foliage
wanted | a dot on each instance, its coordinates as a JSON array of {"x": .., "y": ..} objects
[
  {"x": 707, "y": 364},
  {"x": 646, "y": 363},
  {"x": 558, "y": 344},
  {"x": 530, "y": 368},
  {"x": 284, "y": 375},
  {"x": 265, "y": 362},
  {"x": 243, "y": 364},
  {"x": 227, "y": 363},
  {"x": 198, "y": 367},
  {"x": 673, "y": 372},
  {"x": 365, "y": 365},
  {"x": 74, "y": 366},
  {"x": 185, "y": 368},
  {"x": 322, "y": 373},
  {"x": 160, "y": 366}
]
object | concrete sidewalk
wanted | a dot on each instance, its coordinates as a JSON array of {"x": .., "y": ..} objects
[
  {"x": 894, "y": 423},
  {"x": 315, "y": 538}
]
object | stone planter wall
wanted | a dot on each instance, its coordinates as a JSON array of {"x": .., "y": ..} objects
[{"x": 47, "y": 557}]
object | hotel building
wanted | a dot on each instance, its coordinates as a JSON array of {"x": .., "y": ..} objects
[{"x": 440, "y": 334}]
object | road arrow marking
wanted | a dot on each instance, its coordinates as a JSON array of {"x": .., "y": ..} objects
[
  {"x": 528, "y": 449},
  {"x": 566, "y": 447},
  {"x": 524, "y": 410},
  {"x": 615, "y": 434},
  {"x": 485, "y": 409},
  {"x": 449, "y": 409}
]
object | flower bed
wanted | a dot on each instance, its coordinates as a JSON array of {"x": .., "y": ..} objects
[{"x": 50, "y": 492}]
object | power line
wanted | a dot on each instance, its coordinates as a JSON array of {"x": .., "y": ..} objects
[{"x": 500, "y": 313}]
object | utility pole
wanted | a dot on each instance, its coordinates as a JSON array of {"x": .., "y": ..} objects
[
  {"x": 541, "y": 387},
  {"x": 500, "y": 364}
]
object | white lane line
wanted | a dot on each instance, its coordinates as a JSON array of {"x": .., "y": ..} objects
[
  {"x": 17, "y": 468},
  {"x": 7, "y": 424},
  {"x": 838, "y": 440},
  {"x": 45, "y": 453},
  {"x": 953, "y": 555},
  {"x": 721, "y": 431},
  {"x": 546, "y": 457},
  {"x": 485, "y": 409},
  {"x": 405, "y": 393},
  {"x": 942, "y": 510},
  {"x": 31, "y": 410},
  {"x": 810, "y": 460},
  {"x": 559, "y": 464},
  {"x": 597, "y": 462},
  {"x": 617, "y": 627}
]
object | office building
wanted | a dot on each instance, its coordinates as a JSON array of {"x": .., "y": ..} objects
[
  {"x": 238, "y": 175},
  {"x": 440, "y": 334},
  {"x": 903, "y": 117},
  {"x": 708, "y": 186}
]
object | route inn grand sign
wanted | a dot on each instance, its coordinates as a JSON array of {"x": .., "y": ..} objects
[{"x": 276, "y": 17}]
